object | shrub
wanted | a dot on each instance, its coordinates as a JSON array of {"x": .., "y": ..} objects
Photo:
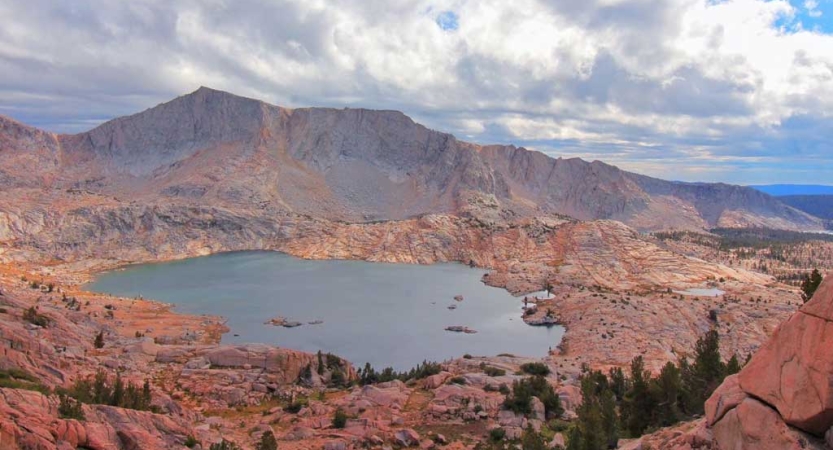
[
  {"x": 267, "y": 441},
  {"x": 224, "y": 445},
  {"x": 99, "y": 340},
  {"x": 339, "y": 419},
  {"x": 520, "y": 401},
  {"x": 19, "y": 374},
  {"x": 503, "y": 389},
  {"x": 497, "y": 434},
  {"x": 32, "y": 316},
  {"x": 535, "y": 368},
  {"x": 458, "y": 380},
  {"x": 15, "y": 378},
  {"x": 191, "y": 441},
  {"x": 494, "y": 371},
  {"x": 296, "y": 406},
  {"x": 69, "y": 408}
]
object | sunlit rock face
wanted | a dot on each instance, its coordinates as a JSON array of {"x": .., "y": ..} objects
[{"x": 783, "y": 397}]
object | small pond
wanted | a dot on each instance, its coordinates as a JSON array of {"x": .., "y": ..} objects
[{"x": 702, "y": 292}]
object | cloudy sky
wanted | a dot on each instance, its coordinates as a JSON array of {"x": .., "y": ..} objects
[{"x": 736, "y": 90}]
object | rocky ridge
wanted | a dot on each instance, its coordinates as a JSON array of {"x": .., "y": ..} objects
[{"x": 247, "y": 157}]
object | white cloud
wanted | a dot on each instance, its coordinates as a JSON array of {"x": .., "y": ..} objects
[
  {"x": 812, "y": 8},
  {"x": 614, "y": 79}
]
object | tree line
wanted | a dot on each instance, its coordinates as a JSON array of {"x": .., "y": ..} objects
[
  {"x": 619, "y": 405},
  {"x": 100, "y": 390}
]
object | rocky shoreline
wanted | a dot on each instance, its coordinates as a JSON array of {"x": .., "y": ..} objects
[{"x": 192, "y": 371}]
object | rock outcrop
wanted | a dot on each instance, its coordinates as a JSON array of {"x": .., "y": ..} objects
[
  {"x": 29, "y": 419},
  {"x": 783, "y": 397}
]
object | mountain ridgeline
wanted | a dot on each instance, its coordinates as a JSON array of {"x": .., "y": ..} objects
[{"x": 354, "y": 165}]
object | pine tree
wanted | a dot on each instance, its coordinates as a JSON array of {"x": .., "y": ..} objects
[
  {"x": 637, "y": 404},
  {"x": 733, "y": 366},
  {"x": 320, "y": 363},
  {"x": 618, "y": 383},
  {"x": 531, "y": 440},
  {"x": 575, "y": 440},
  {"x": 132, "y": 398},
  {"x": 688, "y": 397},
  {"x": 610, "y": 420},
  {"x": 665, "y": 390},
  {"x": 146, "y": 396},
  {"x": 101, "y": 391},
  {"x": 810, "y": 284},
  {"x": 597, "y": 424},
  {"x": 117, "y": 398},
  {"x": 590, "y": 423},
  {"x": 708, "y": 369}
]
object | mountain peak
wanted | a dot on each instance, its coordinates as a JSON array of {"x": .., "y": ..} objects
[
  {"x": 361, "y": 164},
  {"x": 205, "y": 92}
]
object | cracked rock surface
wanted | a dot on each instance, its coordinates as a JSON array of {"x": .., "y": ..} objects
[{"x": 784, "y": 397}]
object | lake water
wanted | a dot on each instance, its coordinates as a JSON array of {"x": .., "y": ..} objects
[{"x": 385, "y": 314}]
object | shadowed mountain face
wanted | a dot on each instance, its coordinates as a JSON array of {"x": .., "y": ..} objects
[
  {"x": 820, "y": 206},
  {"x": 218, "y": 149}
]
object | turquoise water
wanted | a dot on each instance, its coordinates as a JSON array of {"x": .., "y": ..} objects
[{"x": 385, "y": 314}]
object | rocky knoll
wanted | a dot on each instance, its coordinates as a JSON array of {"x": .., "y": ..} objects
[
  {"x": 29, "y": 420},
  {"x": 47, "y": 344},
  {"x": 783, "y": 397}
]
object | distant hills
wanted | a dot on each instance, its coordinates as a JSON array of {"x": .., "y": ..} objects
[
  {"x": 818, "y": 205},
  {"x": 779, "y": 190},
  {"x": 814, "y": 199}
]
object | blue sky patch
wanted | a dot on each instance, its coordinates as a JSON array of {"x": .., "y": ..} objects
[
  {"x": 811, "y": 15},
  {"x": 448, "y": 20}
]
